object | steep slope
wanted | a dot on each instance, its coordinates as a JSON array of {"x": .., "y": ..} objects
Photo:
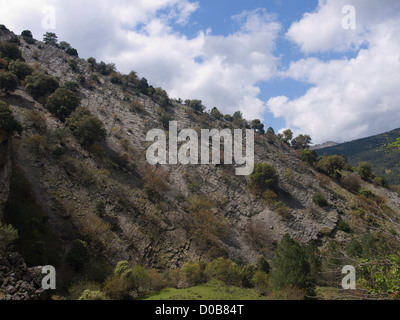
[
  {"x": 159, "y": 216},
  {"x": 370, "y": 149}
]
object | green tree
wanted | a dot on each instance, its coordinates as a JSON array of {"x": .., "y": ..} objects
[
  {"x": 86, "y": 127},
  {"x": 78, "y": 255},
  {"x": 308, "y": 156},
  {"x": 195, "y": 104},
  {"x": 20, "y": 69},
  {"x": 7, "y": 119},
  {"x": 8, "y": 235},
  {"x": 290, "y": 265},
  {"x": 332, "y": 164},
  {"x": 50, "y": 38},
  {"x": 216, "y": 113},
  {"x": 365, "y": 171},
  {"x": 62, "y": 103},
  {"x": 257, "y": 126},
  {"x": 302, "y": 141},
  {"x": 8, "y": 82},
  {"x": 238, "y": 120},
  {"x": 40, "y": 85},
  {"x": 264, "y": 177},
  {"x": 286, "y": 136}
]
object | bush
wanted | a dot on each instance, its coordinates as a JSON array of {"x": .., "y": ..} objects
[
  {"x": 79, "y": 255},
  {"x": 92, "y": 295},
  {"x": 332, "y": 164},
  {"x": 319, "y": 200},
  {"x": 351, "y": 182},
  {"x": 8, "y": 235},
  {"x": 86, "y": 127},
  {"x": 343, "y": 226},
  {"x": 40, "y": 85},
  {"x": 264, "y": 177},
  {"x": 20, "y": 69},
  {"x": 10, "y": 51},
  {"x": 364, "y": 169},
  {"x": 7, "y": 120},
  {"x": 8, "y": 82},
  {"x": 62, "y": 103}
]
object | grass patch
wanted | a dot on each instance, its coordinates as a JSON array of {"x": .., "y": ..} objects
[{"x": 212, "y": 290}]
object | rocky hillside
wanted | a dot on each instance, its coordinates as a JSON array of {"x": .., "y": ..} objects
[{"x": 106, "y": 194}]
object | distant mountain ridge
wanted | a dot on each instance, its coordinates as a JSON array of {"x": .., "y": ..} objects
[
  {"x": 370, "y": 149},
  {"x": 324, "y": 145}
]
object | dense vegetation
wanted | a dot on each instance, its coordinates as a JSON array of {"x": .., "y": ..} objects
[{"x": 372, "y": 150}]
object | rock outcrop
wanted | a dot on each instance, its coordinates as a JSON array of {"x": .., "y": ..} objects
[{"x": 18, "y": 282}]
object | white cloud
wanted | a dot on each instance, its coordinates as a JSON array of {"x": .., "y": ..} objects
[
  {"x": 221, "y": 70},
  {"x": 350, "y": 98}
]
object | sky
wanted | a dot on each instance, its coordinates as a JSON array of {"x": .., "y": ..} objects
[{"x": 327, "y": 68}]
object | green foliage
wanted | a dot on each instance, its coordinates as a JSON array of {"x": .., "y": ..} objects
[
  {"x": 302, "y": 141},
  {"x": 257, "y": 126},
  {"x": 286, "y": 136},
  {"x": 7, "y": 120},
  {"x": 238, "y": 120},
  {"x": 332, "y": 165},
  {"x": 374, "y": 150},
  {"x": 92, "y": 295},
  {"x": 40, "y": 85},
  {"x": 383, "y": 279},
  {"x": 8, "y": 235},
  {"x": 364, "y": 169},
  {"x": 290, "y": 265},
  {"x": 343, "y": 226},
  {"x": 216, "y": 113},
  {"x": 10, "y": 51},
  {"x": 50, "y": 38},
  {"x": 351, "y": 182},
  {"x": 78, "y": 255},
  {"x": 197, "y": 105},
  {"x": 8, "y": 82},
  {"x": 86, "y": 126},
  {"x": 72, "y": 52},
  {"x": 264, "y": 177},
  {"x": 20, "y": 69},
  {"x": 307, "y": 155},
  {"x": 319, "y": 200},
  {"x": 224, "y": 270},
  {"x": 62, "y": 103}
]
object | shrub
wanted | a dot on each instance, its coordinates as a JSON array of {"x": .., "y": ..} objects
[
  {"x": 7, "y": 120},
  {"x": 319, "y": 200},
  {"x": 86, "y": 126},
  {"x": 343, "y": 226},
  {"x": 10, "y": 51},
  {"x": 264, "y": 177},
  {"x": 8, "y": 82},
  {"x": 20, "y": 69},
  {"x": 332, "y": 164},
  {"x": 78, "y": 255},
  {"x": 72, "y": 52},
  {"x": 364, "y": 169},
  {"x": 8, "y": 235},
  {"x": 62, "y": 103},
  {"x": 40, "y": 85},
  {"x": 92, "y": 295},
  {"x": 351, "y": 182}
]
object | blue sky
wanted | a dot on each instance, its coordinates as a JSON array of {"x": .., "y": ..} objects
[{"x": 291, "y": 63}]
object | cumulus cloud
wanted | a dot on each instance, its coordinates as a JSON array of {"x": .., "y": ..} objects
[
  {"x": 221, "y": 70},
  {"x": 350, "y": 98}
]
